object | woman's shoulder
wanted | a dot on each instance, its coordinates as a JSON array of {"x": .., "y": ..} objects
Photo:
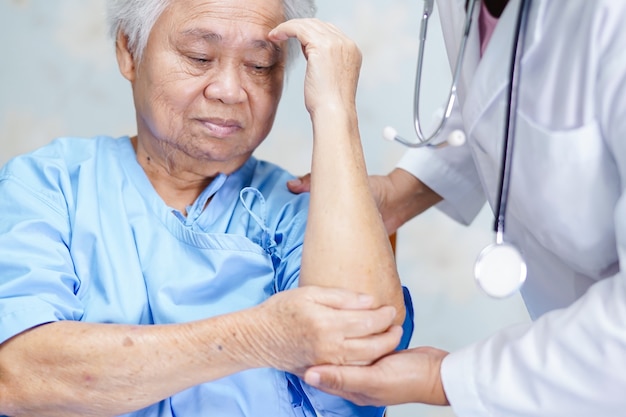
[
  {"x": 52, "y": 168},
  {"x": 66, "y": 151}
]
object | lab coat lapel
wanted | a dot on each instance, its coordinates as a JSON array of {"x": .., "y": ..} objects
[{"x": 486, "y": 82}]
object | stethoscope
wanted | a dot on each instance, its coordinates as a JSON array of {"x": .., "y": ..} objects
[{"x": 500, "y": 269}]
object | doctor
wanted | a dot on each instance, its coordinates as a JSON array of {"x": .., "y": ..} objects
[{"x": 566, "y": 214}]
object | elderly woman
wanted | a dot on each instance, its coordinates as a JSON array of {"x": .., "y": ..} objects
[{"x": 168, "y": 274}]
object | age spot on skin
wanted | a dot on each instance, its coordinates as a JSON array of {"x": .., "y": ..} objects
[{"x": 128, "y": 342}]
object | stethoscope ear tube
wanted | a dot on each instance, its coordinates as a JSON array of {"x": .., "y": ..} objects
[{"x": 456, "y": 138}]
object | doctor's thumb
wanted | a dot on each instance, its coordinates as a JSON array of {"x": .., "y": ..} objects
[{"x": 300, "y": 185}]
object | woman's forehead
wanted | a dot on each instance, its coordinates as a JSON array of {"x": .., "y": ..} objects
[
  {"x": 234, "y": 22},
  {"x": 268, "y": 13}
]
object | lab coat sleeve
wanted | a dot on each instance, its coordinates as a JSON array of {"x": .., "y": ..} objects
[
  {"x": 570, "y": 362},
  {"x": 450, "y": 172}
]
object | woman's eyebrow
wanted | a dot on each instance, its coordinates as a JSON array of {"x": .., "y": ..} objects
[
  {"x": 274, "y": 49},
  {"x": 213, "y": 37},
  {"x": 202, "y": 34}
]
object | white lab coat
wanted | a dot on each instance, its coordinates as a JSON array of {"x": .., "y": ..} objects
[{"x": 567, "y": 210}]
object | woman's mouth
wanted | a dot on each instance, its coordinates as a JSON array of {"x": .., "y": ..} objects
[{"x": 221, "y": 128}]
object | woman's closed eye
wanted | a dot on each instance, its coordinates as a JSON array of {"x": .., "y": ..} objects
[
  {"x": 200, "y": 59},
  {"x": 260, "y": 69}
]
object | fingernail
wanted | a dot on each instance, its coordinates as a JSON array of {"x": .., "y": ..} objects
[{"x": 296, "y": 182}]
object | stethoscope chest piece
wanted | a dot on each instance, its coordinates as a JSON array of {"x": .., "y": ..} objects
[{"x": 500, "y": 270}]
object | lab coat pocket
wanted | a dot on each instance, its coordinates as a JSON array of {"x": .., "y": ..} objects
[{"x": 563, "y": 189}]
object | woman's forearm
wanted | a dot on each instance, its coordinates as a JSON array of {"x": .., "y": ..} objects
[
  {"x": 72, "y": 368},
  {"x": 346, "y": 244}
]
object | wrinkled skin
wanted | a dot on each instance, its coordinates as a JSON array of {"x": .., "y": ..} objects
[{"x": 322, "y": 326}]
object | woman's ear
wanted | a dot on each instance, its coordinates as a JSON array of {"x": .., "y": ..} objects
[{"x": 125, "y": 58}]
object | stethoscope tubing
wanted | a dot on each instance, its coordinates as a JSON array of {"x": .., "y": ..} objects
[
  {"x": 515, "y": 72},
  {"x": 424, "y": 140},
  {"x": 494, "y": 277}
]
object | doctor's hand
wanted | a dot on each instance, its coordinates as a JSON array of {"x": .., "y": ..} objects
[
  {"x": 296, "y": 329},
  {"x": 408, "y": 376},
  {"x": 399, "y": 196}
]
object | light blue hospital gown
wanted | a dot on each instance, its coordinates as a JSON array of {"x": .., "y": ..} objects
[{"x": 84, "y": 236}]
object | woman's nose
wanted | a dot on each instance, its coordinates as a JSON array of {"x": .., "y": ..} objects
[{"x": 225, "y": 85}]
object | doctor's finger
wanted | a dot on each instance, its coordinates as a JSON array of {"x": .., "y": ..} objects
[
  {"x": 354, "y": 383},
  {"x": 300, "y": 185}
]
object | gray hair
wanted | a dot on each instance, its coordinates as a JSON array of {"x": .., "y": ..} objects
[{"x": 136, "y": 18}]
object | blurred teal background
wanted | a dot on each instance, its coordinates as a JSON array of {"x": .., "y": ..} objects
[{"x": 59, "y": 78}]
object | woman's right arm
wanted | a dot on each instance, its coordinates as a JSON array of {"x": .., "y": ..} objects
[{"x": 71, "y": 368}]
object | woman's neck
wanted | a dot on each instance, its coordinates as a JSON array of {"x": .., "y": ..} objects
[{"x": 177, "y": 188}]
